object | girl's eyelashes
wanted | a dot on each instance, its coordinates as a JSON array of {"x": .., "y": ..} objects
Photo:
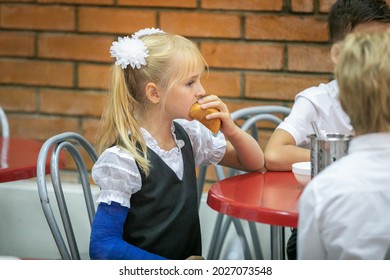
[
  {"x": 192, "y": 80},
  {"x": 190, "y": 83}
]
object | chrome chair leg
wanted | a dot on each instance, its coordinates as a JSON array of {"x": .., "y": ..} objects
[
  {"x": 256, "y": 242},
  {"x": 277, "y": 243}
]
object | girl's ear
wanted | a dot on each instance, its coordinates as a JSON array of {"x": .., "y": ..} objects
[
  {"x": 152, "y": 93},
  {"x": 334, "y": 52}
]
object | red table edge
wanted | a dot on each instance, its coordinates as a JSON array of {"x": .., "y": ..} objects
[
  {"x": 268, "y": 216},
  {"x": 15, "y": 174}
]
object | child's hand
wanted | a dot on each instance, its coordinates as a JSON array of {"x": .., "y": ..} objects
[
  {"x": 195, "y": 258},
  {"x": 228, "y": 126},
  {"x": 242, "y": 150}
]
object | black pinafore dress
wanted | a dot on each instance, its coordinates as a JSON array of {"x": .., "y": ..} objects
[{"x": 163, "y": 217}]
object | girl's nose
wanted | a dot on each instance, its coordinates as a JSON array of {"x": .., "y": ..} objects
[
  {"x": 199, "y": 95},
  {"x": 200, "y": 92}
]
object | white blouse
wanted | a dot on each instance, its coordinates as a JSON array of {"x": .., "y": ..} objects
[
  {"x": 344, "y": 210},
  {"x": 320, "y": 103},
  {"x": 117, "y": 174}
]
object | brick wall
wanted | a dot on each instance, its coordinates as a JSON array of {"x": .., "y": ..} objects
[{"x": 54, "y": 57}]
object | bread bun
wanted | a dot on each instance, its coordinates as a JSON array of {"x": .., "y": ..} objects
[{"x": 198, "y": 113}]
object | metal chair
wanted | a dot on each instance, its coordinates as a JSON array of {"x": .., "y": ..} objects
[
  {"x": 4, "y": 124},
  {"x": 250, "y": 116},
  {"x": 5, "y": 136},
  {"x": 387, "y": 255},
  {"x": 72, "y": 143}
]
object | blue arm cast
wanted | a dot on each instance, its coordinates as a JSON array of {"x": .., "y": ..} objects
[{"x": 106, "y": 241}]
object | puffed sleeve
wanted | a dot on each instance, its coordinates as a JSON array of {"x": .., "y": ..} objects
[
  {"x": 207, "y": 147},
  {"x": 117, "y": 175}
]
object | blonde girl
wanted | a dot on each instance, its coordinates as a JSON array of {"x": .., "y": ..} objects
[{"x": 150, "y": 147}]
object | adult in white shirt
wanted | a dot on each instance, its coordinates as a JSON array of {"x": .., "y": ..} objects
[{"x": 343, "y": 211}]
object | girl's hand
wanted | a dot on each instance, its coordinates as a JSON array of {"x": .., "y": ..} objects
[
  {"x": 242, "y": 150},
  {"x": 228, "y": 127},
  {"x": 195, "y": 258}
]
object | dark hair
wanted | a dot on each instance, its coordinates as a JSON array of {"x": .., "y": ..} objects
[{"x": 346, "y": 14}]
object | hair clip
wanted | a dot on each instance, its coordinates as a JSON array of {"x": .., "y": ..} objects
[
  {"x": 129, "y": 51},
  {"x": 132, "y": 50},
  {"x": 147, "y": 31}
]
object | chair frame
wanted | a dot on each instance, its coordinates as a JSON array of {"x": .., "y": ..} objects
[
  {"x": 4, "y": 124},
  {"x": 59, "y": 142},
  {"x": 250, "y": 115}
]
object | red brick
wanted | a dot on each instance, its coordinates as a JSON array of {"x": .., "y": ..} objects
[
  {"x": 27, "y": 72},
  {"x": 120, "y": 20},
  {"x": 245, "y": 56},
  {"x": 223, "y": 84},
  {"x": 83, "y": 2},
  {"x": 74, "y": 47},
  {"x": 17, "y": 44},
  {"x": 17, "y": 99},
  {"x": 325, "y": 5},
  {"x": 74, "y": 103},
  {"x": 37, "y": 17},
  {"x": 41, "y": 128},
  {"x": 201, "y": 24},
  {"x": 160, "y": 3},
  {"x": 309, "y": 58},
  {"x": 93, "y": 76},
  {"x": 89, "y": 129},
  {"x": 289, "y": 28},
  {"x": 279, "y": 86},
  {"x": 249, "y": 5},
  {"x": 68, "y": 53},
  {"x": 18, "y": 1},
  {"x": 303, "y": 6}
]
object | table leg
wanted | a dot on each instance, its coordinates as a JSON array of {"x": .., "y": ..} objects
[{"x": 277, "y": 243}]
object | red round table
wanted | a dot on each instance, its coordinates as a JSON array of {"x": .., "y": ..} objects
[
  {"x": 269, "y": 198},
  {"x": 18, "y": 159}
]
